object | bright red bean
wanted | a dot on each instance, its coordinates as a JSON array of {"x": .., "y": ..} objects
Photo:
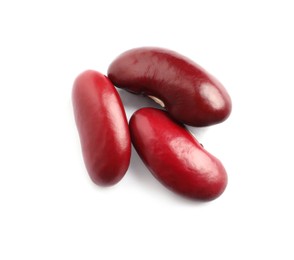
[
  {"x": 102, "y": 127},
  {"x": 186, "y": 90},
  {"x": 175, "y": 157}
]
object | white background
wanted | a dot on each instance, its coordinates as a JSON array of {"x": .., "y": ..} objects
[{"x": 49, "y": 208}]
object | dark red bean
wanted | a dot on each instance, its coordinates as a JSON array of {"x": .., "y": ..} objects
[
  {"x": 188, "y": 92},
  {"x": 102, "y": 127},
  {"x": 175, "y": 157}
]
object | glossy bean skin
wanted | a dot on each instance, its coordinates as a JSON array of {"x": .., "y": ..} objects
[
  {"x": 189, "y": 93},
  {"x": 102, "y": 127},
  {"x": 175, "y": 157}
]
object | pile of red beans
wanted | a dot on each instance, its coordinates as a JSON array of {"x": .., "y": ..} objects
[{"x": 188, "y": 95}]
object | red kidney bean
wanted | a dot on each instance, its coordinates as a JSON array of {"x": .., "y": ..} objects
[
  {"x": 175, "y": 157},
  {"x": 102, "y": 127},
  {"x": 186, "y": 90}
]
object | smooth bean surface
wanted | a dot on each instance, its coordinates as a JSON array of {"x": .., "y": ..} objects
[
  {"x": 175, "y": 157},
  {"x": 102, "y": 127},
  {"x": 189, "y": 93}
]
